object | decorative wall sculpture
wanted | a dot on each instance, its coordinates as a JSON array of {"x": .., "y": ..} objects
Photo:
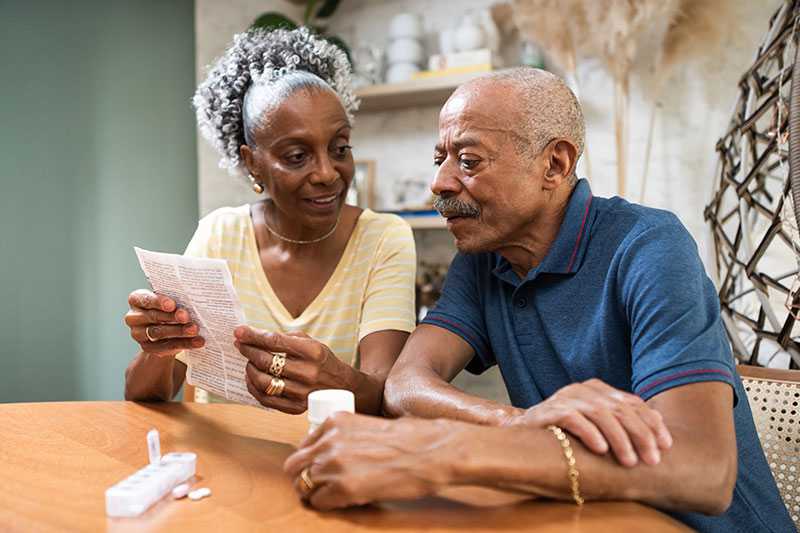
[{"x": 751, "y": 217}]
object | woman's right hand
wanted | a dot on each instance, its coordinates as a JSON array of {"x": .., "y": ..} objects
[{"x": 159, "y": 326}]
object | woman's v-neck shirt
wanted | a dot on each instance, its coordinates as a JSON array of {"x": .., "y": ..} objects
[{"x": 371, "y": 289}]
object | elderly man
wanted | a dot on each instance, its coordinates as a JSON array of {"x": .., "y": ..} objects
[{"x": 602, "y": 321}]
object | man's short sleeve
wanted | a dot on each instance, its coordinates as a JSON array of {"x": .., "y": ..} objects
[
  {"x": 676, "y": 332},
  {"x": 460, "y": 309}
]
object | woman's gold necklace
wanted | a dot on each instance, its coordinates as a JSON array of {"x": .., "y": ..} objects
[{"x": 281, "y": 237}]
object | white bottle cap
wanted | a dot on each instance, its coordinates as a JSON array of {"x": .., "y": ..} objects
[{"x": 323, "y": 403}]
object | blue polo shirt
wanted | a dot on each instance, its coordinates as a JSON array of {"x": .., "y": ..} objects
[{"x": 622, "y": 296}]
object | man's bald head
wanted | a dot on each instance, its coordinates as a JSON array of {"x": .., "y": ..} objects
[{"x": 544, "y": 108}]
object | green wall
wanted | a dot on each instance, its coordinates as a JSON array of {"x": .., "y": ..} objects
[{"x": 97, "y": 154}]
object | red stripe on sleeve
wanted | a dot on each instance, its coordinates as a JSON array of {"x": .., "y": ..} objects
[
  {"x": 460, "y": 328},
  {"x": 673, "y": 376}
]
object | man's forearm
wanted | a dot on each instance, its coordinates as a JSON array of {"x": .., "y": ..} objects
[
  {"x": 379, "y": 459},
  {"x": 688, "y": 479},
  {"x": 696, "y": 473},
  {"x": 424, "y": 394}
]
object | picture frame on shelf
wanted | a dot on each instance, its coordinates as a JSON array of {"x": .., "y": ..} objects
[{"x": 362, "y": 189}]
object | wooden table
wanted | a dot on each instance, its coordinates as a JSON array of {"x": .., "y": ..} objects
[{"x": 57, "y": 460}]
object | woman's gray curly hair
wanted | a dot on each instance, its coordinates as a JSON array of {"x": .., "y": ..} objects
[{"x": 257, "y": 57}]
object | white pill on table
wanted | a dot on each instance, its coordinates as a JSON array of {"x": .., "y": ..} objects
[
  {"x": 199, "y": 493},
  {"x": 180, "y": 491}
]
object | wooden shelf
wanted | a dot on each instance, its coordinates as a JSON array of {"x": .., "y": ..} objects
[{"x": 427, "y": 91}]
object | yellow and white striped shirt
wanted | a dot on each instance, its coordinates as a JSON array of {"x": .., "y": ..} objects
[{"x": 372, "y": 288}]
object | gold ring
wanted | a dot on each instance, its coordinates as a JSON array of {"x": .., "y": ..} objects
[
  {"x": 275, "y": 387},
  {"x": 276, "y": 367},
  {"x": 306, "y": 485},
  {"x": 149, "y": 337}
]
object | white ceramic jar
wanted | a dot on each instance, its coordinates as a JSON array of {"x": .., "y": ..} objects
[
  {"x": 447, "y": 38},
  {"x": 405, "y": 25},
  {"x": 469, "y": 35},
  {"x": 405, "y": 50}
]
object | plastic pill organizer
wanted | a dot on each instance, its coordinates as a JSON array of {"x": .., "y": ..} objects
[{"x": 138, "y": 492}]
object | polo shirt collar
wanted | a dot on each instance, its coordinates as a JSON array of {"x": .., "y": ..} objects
[{"x": 566, "y": 255}]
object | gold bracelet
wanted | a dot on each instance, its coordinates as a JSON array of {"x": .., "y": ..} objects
[{"x": 572, "y": 472}]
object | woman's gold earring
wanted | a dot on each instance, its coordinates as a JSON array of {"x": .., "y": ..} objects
[{"x": 257, "y": 187}]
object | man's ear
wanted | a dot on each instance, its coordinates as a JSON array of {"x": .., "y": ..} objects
[{"x": 562, "y": 155}]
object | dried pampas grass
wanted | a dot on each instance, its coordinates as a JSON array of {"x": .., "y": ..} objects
[
  {"x": 612, "y": 30},
  {"x": 550, "y": 24},
  {"x": 558, "y": 26},
  {"x": 696, "y": 28},
  {"x": 618, "y": 25}
]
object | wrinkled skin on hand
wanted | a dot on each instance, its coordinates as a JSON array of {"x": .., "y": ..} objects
[
  {"x": 604, "y": 419},
  {"x": 356, "y": 459}
]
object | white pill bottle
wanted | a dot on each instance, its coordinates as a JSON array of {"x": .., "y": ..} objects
[{"x": 323, "y": 403}]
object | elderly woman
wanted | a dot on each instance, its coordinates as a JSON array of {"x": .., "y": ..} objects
[{"x": 329, "y": 285}]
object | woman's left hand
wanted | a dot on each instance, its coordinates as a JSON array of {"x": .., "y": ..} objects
[{"x": 309, "y": 365}]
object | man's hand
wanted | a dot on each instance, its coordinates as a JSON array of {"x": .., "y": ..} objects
[
  {"x": 604, "y": 418},
  {"x": 356, "y": 459}
]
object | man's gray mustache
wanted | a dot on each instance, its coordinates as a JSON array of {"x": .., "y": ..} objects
[{"x": 452, "y": 205}]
